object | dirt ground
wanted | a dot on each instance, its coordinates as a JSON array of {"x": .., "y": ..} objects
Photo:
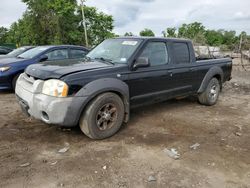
[{"x": 135, "y": 156}]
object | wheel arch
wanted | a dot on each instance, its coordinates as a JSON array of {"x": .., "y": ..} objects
[
  {"x": 107, "y": 85},
  {"x": 214, "y": 72}
]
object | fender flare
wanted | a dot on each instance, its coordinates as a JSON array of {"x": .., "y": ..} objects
[
  {"x": 214, "y": 71},
  {"x": 97, "y": 87}
]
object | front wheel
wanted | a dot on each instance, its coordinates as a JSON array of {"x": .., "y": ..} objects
[
  {"x": 103, "y": 117},
  {"x": 210, "y": 96}
]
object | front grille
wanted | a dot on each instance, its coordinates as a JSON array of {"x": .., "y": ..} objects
[{"x": 29, "y": 83}]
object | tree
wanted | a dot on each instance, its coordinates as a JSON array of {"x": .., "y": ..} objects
[
  {"x": 52, "y": 21},
  {"x": 229, "y": 39},
  {"x": 21, "y": 32},
  {"x": 3, "y": 33},
  {"x": 191, "y": 30},
  {"x": 245, "y": 41},
  {"x": 147, "y": 32},
  {"x": 194, "y": 31},
  {"x": 129, "y": 34},
  {"x": 99, "y": 25},
  {"x": 59, "y": 22},
  {"x": 170, "y": 32},
  {"x": 214, "y": 38}
]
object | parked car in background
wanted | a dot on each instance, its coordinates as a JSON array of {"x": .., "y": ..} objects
[
  {"x": 16, "y": 52},
  {"x": 11, "y": 68},
  {"x": 5, "y": 50},
  {"x": 118, "y": 74}
]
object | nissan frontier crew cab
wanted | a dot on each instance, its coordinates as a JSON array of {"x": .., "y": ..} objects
[{"x": 97, "y": 93}]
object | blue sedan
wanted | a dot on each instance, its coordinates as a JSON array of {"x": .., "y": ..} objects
[{"x": 11, "y": 68}]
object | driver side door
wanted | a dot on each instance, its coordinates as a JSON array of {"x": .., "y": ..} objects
[{"x": 150, "y": 84}]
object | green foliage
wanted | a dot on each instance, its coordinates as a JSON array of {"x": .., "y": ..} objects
[
  {"x": 3, "y": 30},
  {"x": 51, "y": 20},
  {"x": 170, "y": 32},
  {"x": 191, "y": 30},
  {"x": 99, "y": 25},
  {"x": 128, "y": 34},
  {"x": 214, "y": 38},
  {"x": 228, "y": 40},
  {"x": 59, "y": 22},
  {"x": 20, "y": 32},
  {"x": 147, "y": 33},
  {"x": 245, "y": 40},
  {"x": 194, "y": 31},
  {"x": 3, "y": 34}
]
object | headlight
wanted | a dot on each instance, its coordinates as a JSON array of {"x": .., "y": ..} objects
[
  {"x": 55, "y": 88},
  {"x": 3, "y": 69}
]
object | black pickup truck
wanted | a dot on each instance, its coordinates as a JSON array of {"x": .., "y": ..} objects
[{"x": 98, "y": 92}]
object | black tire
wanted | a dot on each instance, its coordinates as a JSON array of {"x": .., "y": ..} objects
[
  {"x": 103, "y": 117},
  {"x": 210, "y": 96},
  {"x": 14, "y": 80}
]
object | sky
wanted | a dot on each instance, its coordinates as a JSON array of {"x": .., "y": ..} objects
[{"x": 135, "y": 15}]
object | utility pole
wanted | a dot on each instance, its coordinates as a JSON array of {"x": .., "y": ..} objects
[
  {"x": 241, "y": 40},
  {"x": 84, "y": 23}
]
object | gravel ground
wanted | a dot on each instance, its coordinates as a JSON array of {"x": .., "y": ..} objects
[{"x": 136, "y": 156}]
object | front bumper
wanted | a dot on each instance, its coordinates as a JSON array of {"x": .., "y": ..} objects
[{"x": 51, "y": 110}]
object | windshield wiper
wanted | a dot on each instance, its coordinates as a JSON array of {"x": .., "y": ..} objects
[
  {"x": 19, "y": 57},
  {"x": 105, "y": 60}
]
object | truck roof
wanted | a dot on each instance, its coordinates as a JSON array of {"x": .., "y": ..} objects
[{"x": 157, "y": 38}]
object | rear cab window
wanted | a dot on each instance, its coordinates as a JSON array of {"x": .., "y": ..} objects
[{"x": 181, "y": 53}]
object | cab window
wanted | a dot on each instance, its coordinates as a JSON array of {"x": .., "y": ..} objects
[
  {"x": 77, "y": 53},
  {"x": 58, "y": 55},
  {"x": 156, "y": 52},
  {"x": 181, "y": 52}
]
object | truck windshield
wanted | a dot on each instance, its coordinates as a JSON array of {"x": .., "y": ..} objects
[{"x": 115, "y": 50}]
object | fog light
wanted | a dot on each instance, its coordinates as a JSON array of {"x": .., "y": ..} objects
[{"x": 45, "y": 116}]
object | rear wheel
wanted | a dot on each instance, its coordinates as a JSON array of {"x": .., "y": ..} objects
[
  {"x": 103, "y": 116},
  {"x": 210, "y": 96}
]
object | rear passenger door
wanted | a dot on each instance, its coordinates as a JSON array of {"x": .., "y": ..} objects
[{"x": 181, "y": 73}]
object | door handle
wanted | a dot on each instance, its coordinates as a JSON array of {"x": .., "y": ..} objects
[
  {"x": 170, "y": 73},
  {"x": 192, "y": 69}
]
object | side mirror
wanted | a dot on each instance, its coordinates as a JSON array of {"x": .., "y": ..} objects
[
  {"x": 43, "y": 58},
  {"x": 141, "y": 62}
]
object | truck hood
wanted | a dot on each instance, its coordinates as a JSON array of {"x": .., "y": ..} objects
[
  {"x": 57, "y": 69},
  {"x": 9, "y": 60}
]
